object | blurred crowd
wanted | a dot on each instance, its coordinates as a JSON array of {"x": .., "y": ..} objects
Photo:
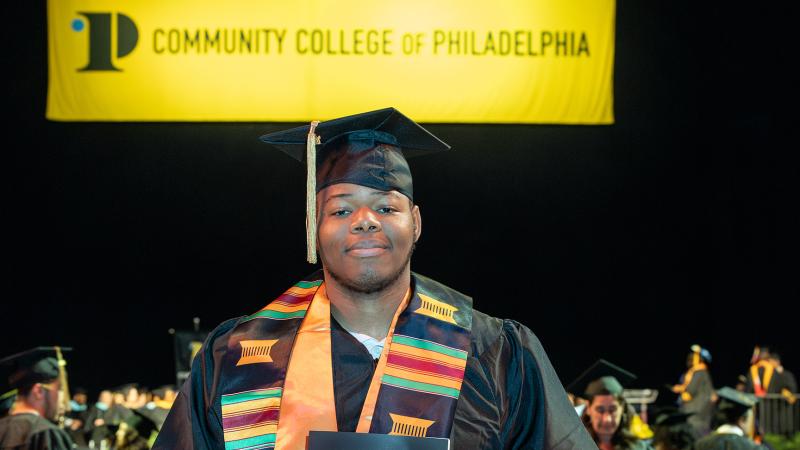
[
  {"x": 702, "y": 417},
  {"x": 699, "y": 417},
  {"x": 126, "y": 417}
]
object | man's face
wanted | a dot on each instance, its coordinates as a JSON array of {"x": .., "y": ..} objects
[
  {"x": 51, "y": 399},
  {"x": 366, "y": 236},
  {"x": 80, "y": 398},
  {"x": 606, "y": 414}
]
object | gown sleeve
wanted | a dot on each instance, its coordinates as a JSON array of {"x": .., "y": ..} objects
[
  {"x": 51, "y": 438},
  {"x": 194, "y": 421},
  {"x": 539, "y": 412}
]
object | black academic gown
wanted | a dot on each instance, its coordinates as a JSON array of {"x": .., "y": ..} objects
[
  {"x": 97, "y": 434},
  {"x": 32, "y": 432},
  {"x": 511, "y": 397},
  {"x": 701, "y": 405},
  {"x": 717, "y": 441}
]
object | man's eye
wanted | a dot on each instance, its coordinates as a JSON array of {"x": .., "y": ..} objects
[
  {"x": 340, "y": 212},
  {"x": 386, "y": 210}
]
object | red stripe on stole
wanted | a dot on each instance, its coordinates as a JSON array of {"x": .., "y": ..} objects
[
  {"x": 290, "y": 300},
  {"x": 250, "y": 419},
  {"x": 427, "y": 366}
]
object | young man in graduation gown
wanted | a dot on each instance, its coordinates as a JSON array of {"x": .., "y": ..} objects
[
  {"x": 365, "y": 344},
  {"x": 735, "y": 418},
  {"x": 30, "y": 422},
  {"x": 696, "y": 391}
]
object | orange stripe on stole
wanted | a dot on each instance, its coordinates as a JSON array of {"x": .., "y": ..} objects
[{"x": 308, "y": 402}]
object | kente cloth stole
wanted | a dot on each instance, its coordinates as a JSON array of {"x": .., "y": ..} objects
[{"x": 414, "y": 391}]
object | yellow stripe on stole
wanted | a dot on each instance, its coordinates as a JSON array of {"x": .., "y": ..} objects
[
  {"x": 251, "y": 432},
  {"x": 422, "y": 378},
  {"x": 252, "y": 405},
  {"x": 428, "y": 354}
]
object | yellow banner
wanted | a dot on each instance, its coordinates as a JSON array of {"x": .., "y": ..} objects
[{"x": 507, "y": 61}]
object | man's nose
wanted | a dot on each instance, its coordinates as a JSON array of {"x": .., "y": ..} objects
[{"x": 365, "y": 221}]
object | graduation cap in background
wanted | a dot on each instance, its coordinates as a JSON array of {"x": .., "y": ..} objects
[
  {"x": 731, "y": 399},
  {"x": 602, "y": 378},
  {"x": 367, "y": 149},
  {"x": 37, "y": 365},
  {"x": 671, "y": 416}
]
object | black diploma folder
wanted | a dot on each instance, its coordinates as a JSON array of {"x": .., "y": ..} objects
[{"x": 331, "y": 440}]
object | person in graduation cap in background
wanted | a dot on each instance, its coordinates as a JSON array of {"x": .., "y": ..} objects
[
  {"x": 696, "y": 391},
  {"x": 735, "y": 421},
  {"x": 612, "y": 423},
  {"x": 671, "y": 431},
  {"x": 39, "y": 377},
  {"x": 365, "y": 344},
  {"x": 768, "y": 376}
]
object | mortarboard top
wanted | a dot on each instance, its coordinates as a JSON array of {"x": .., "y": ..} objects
[
  {"x": 735, "y": 398},
  {"x": 37, "y": 365},
  {"x": 601, "y": 378},
  {"x": 367, "y": 149},
  {"x": 670, "y": 415}
]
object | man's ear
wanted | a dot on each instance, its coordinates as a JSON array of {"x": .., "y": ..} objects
[
  {"x": 37, "y": 392},
  {"x": 417, "y": 218}
]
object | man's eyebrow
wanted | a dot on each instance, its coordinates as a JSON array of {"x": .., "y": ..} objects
[{"x": 343, "y": 195}]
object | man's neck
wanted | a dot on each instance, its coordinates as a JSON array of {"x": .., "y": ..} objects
[
  {"x": 22, "y": 407},
  {"x": 369, "y": 314}
]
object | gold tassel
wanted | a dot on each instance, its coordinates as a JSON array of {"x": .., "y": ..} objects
[
  {"x": 311, "y": 193},
  {"x": 64, "y": 398}
]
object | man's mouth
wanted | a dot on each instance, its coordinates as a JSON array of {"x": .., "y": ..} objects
[{"x": 367, "y": 248}]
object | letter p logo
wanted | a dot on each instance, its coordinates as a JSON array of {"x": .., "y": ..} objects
[{"x": 100, "y": 42}]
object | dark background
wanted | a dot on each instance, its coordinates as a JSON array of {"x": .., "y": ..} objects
[{"x": 631, "y": 242}]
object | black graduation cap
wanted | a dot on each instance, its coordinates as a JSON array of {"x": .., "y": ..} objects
[
  {"x": 37, "y": 365},
  {"x": 601, "y": 378},
  {"x": 367, "y": 149},
  {"x": 670, "y": 416},
  {"x": 730, "y": 397}
]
